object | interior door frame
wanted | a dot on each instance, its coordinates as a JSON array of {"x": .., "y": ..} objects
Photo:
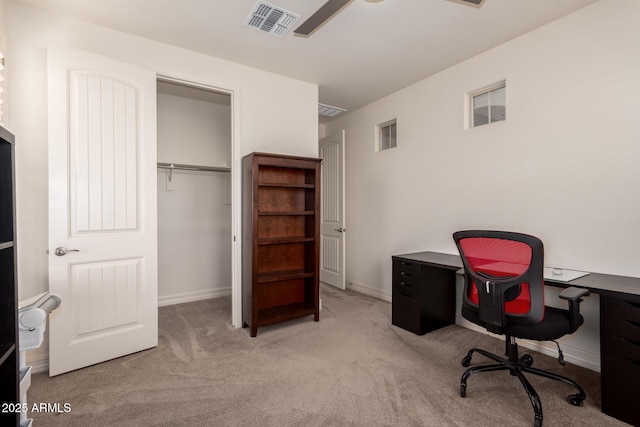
[{"x": 236, "y": 174}]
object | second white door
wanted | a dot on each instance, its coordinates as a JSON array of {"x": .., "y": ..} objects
[{"x": 332, "y": 224}]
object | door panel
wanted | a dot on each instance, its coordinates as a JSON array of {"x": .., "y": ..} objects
[
  {"x": 103, "y": 149},
  {"x": 102, "y": 203},
  {"x": 332, "y": 228},
  {"x": 107, "y": 297}
]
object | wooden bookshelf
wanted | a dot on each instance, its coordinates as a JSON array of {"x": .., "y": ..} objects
[{"x": 280, "y": 246}]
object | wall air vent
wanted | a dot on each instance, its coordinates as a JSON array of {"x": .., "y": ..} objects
[
  {"x": 329, "y": 111},
  {"x": 271, "y": 19}
]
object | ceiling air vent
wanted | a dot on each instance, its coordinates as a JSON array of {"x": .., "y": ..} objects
[
  {"x": 474, "y": 3},
  {"x": 271, "y": 19},
  {"x": 329, "y": 111}
]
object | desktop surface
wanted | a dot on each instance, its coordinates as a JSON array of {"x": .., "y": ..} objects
[{"x": 595, "y": 282}]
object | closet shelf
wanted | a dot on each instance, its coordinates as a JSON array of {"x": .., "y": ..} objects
[
  {"x": 177, "y": 166},
  {"x": 278, "y": 276},
  {"x": 282, "y": 240},
  {"x": 285, "y": 185},
  {"x": 285, "y": 213}
]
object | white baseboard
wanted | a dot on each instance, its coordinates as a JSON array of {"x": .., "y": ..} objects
[
  {"x": 193, "y": 296},
  {"x": 368, "y": 290}
]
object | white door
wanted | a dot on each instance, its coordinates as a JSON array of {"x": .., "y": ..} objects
[
  {"x": 102, "y": 204},
  {"x": 332, "y": 229}
]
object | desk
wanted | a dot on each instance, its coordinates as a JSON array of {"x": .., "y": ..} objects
[{"x": 423, "y": 299}]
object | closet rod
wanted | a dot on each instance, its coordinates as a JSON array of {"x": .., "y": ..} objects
[{"x": 177, "y": 166}]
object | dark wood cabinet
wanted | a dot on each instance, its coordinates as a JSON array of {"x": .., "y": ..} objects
[
  {"x": 423, "y": 295},
  {"x": 9, "y": 360},
  {"x": 620, "y": 356},
  {"x": 280, "y": 238}
]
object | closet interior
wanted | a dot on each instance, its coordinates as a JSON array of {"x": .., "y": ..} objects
[{"x": 194, "y": 193}]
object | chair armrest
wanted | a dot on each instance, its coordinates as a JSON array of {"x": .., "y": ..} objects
[{"x": 573, "y": 295}]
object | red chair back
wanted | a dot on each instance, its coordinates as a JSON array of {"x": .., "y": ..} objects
[{"x": 503, "y": 276}]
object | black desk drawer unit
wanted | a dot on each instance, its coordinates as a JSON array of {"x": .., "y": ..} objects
[
  {"x": 620, "y": 353},
  {"x": 423, "y": 297}
]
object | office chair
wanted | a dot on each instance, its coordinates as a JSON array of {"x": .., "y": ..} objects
[{"x": 504, "y": 293}]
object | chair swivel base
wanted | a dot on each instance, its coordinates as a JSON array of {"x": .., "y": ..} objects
[{"x": 517, "y": 366}]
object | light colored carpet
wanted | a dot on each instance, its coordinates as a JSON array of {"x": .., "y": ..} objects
[{"x": 353, "y": 368}]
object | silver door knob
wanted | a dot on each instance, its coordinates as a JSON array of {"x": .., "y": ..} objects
[
  {"x": 340, "y": 230},
  {"x": 63, "y": 251}
]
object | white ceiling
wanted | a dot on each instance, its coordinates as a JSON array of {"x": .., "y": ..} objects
[{"x": 368, "y": 50}]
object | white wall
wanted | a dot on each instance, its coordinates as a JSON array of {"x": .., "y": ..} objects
[
  {"x": 322, "y": 131},
  {"x": 562, "y": 166},
  {"x": 274, "y": 113},
  {"x": 194, "y": 237},
  {"x": 194, "y": 213},
  {"x": 192, "y": 131}
]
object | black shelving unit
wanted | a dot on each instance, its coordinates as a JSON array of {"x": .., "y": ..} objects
[{"x": 9, "y": 359}]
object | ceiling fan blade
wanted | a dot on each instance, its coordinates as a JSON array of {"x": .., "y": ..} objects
[{"x": 330, "y": 8}]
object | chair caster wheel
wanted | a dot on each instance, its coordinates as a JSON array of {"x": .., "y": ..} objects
[
  {"x": 466, "y": 361},
  {"x": 463, "y": 390},
  {"x": 575, "y": 399},
  {"x": 537, "y": 422},
  {"x": 526, "y": 359}
]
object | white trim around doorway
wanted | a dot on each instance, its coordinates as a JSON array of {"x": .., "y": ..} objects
[{"x": 236, "y": 176}]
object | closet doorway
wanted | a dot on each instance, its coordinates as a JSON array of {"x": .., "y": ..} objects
[{"x": 195, "y": 227}]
